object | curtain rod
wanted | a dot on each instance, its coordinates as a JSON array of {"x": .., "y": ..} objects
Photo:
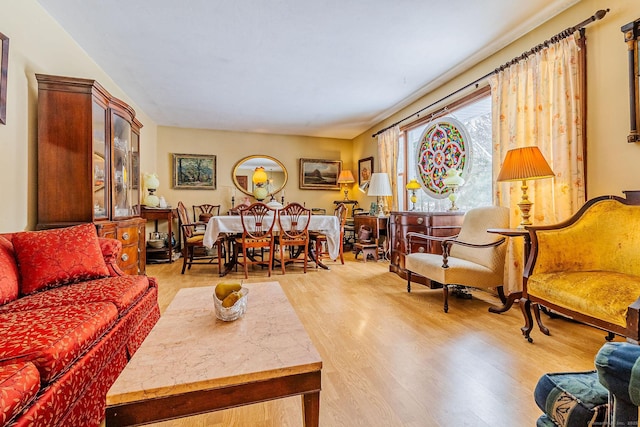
[{"x": 561, "y": 35}]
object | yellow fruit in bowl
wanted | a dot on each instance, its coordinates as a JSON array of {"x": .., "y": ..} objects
[
  {"x": 223, "y": 290},
  {"x": 231, "y": 299}
]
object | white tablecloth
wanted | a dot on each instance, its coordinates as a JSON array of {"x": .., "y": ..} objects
[{"x": 327, "y": 224}]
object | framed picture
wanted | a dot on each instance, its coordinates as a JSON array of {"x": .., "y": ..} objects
[
  {"x": 365, "y": 169},
  {"x": 317, "y": 174},
  {"x": 4, "y": 66},
  {"x": 194, "y": 171},
  {"x": 632, "y": 38}
]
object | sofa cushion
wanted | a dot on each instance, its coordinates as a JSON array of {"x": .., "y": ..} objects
[
  {"x": 572, "y": 399},
  {"x": 618, "y": 365},
  {"x": 56, "y": 257},
  {"x": 9, "y": 278},
  {"x": 122, "y": 291},
  {"x": 588, "y": 292},
  {"x": 19, "y": 383},
  {"x": 54, "y": 337}
]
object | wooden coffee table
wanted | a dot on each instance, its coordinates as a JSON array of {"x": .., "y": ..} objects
[{"x": 193, "y": 363}]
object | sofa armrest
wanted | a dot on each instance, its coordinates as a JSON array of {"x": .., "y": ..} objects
[
  {"x": 111, "y": 249},
  {"x": 618, "y": 366}
]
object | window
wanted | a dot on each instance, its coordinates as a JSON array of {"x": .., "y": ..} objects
[{"x": 475, "y": 114}]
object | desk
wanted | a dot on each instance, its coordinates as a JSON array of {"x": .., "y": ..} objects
[
  {"x": 327, "y": 224},
  {"x": 512, "y": 232},
  {"x": 378, "y": 225},
  {"x": 155, "y": 214}
]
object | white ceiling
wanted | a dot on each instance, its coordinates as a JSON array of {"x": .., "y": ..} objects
[{"x": 330, "y": 68}]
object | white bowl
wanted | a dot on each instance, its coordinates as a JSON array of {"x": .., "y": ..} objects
[
  {"x": 234, "y": 312},
  {"x": 156, "y": 243}
]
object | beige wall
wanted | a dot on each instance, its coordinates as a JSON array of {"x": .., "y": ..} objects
[
  {"x": 230, "y": 147},
  {"x": 39, "y": 45},
  {"x": 611, "y": 161}
]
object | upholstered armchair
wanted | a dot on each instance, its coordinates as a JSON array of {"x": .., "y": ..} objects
[
  {"x": 474, "y": 258},
  {"x": 587, "y": 268}
]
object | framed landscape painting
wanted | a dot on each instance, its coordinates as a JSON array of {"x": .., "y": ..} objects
[
  {"x": 317, "y": 174},
  {"x": 194, "y": 171}
]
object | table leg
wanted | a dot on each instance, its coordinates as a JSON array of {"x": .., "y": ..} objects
[
  {"x": 312, "y": 257},
  {"x": 311, "y": 409},
  {"x": 511, "y": 298}
]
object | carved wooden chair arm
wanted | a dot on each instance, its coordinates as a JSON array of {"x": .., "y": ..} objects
[{"x": 412, "y": 236}]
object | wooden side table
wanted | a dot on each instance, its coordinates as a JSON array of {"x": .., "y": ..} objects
[
  {"x": 156, "y": 214},
  {"x": 512, "y": 232}
]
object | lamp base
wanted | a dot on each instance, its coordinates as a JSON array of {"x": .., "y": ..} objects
[{"x": 525, "y": 206}]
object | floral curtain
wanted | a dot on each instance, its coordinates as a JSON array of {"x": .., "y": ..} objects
[
  {"x": 388, "y": 147},
  {"x": 538, "y": 101}
]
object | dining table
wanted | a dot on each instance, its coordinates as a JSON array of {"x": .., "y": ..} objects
[{"x": 329, "y": 225}]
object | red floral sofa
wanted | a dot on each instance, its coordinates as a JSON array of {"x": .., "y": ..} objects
[{"x": 69, "y": 322}]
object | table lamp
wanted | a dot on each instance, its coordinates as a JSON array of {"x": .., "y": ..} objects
[
  {"x": 380, "y": 186},
  {"x": 521, "y": 164},
  {"x": 453, "y": 180},
  {"x": 151, "y": 183},
  {"x": 412, "y": 186},
  {"x": 346, "y": 178},
  {"x": 259, "y": 179}
]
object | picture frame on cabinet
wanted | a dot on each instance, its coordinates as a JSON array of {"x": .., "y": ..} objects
[
  {"x": 194, "y": 171},
  {"x": 4, "y": 67},
  {"x": 318, "y": 174}
]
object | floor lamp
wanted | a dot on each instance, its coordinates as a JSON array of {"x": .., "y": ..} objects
[
  {"x": 380, "y": 186},
  {"x": 521, "y": 164}
]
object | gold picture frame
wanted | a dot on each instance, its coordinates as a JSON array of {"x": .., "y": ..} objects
[
  {"x": 194, "y": 171},
  {"x": 319, "y": 174}
]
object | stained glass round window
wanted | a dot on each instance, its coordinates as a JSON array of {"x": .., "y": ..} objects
[{"x": 444, "y": 144}]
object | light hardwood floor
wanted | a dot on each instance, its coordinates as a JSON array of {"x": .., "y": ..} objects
[{"x": 391, "y": 358}]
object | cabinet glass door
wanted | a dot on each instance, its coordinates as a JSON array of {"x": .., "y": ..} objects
[
  {"x": 100, "y": 159},
  {"x": 135, "y": 173},
  {"x": 121, "y": 167}
]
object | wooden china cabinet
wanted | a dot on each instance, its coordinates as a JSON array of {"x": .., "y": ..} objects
[
  {"x": 440, "y": 224},
  {"x": 89, "y": 164}
]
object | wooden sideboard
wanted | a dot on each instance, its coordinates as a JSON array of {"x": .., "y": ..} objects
[{"x": 440, "y": 224}]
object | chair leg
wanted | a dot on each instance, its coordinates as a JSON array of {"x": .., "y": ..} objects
[
  {"x": 408, "y": 281},
  {"x": 342, "y": 253},
  {"x": 525, "y": 306},
  {"x": 184, "y": 259},
  {"x": 501, "y": 295},
  {"x": 282, "y": 257},
  {"x": 445, "y": 292},
  {"x": 245, "y": 255},
  {"x": 536, "y": 312}
]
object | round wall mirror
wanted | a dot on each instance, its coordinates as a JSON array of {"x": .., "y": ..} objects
[{"x": 243, "y": 172}]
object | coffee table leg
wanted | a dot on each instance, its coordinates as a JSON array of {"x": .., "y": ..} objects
[{"x": 311, "y": 409}]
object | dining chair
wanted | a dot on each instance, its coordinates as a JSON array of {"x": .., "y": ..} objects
[
  {"x": 293, "y": 234},
  {"x": 192, "y": 243},
  {"x": 258, "y": 221},
  {"x": 320, "y": 239},
  {"x": 202, "y": 213}
]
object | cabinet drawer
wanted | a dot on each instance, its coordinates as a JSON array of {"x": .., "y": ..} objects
[
  {"x": 128, "y": 235},
  {"x": 128, "y": 257},
  {"x": 444, "y": 220},
  {"x": 415, "y": 220}
]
